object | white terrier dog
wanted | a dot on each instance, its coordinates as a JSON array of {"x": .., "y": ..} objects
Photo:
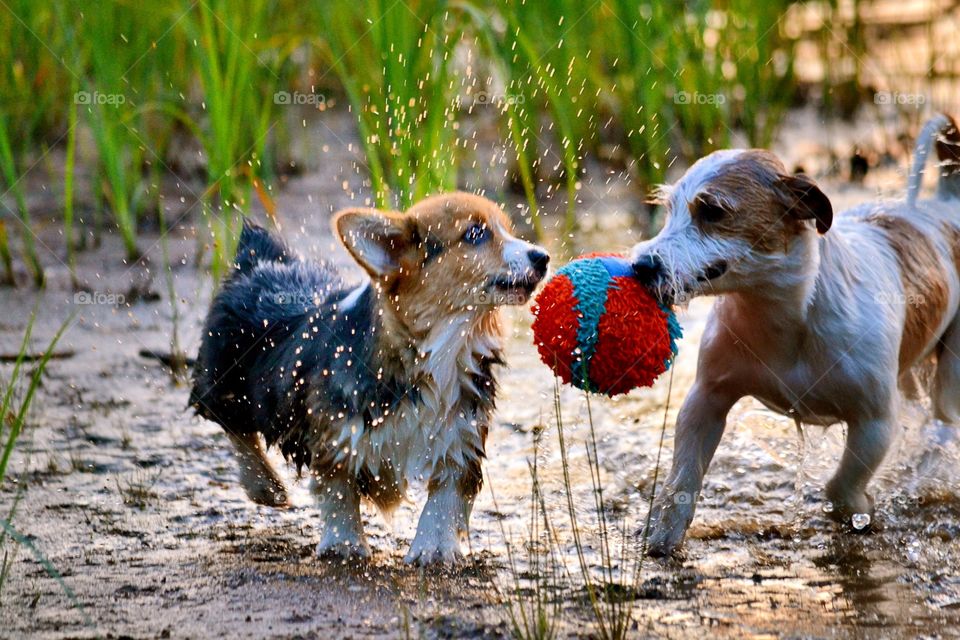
[{"x": 823, "y": 327}]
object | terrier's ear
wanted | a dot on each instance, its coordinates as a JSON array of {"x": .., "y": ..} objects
[
  {"x": 805, "y": 201},
  {"x": 376, "y": 239}
]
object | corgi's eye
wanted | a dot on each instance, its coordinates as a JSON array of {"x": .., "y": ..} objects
[{"x": 477, "y": 234}]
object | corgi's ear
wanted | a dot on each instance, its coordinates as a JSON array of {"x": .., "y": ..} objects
[{"x": 376, "y": 239}]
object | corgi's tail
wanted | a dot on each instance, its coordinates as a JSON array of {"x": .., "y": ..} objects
[
  {"x": 940, "y": 131},
  {"x": 259, "y": 245}
]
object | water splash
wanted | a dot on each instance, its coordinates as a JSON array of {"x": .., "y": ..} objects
[{"x": 860, "y": 521}]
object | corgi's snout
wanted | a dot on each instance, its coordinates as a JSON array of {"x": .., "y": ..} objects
[
  {"x": 539, "y": 260},
  {"x": 526, "y": 267},
  {"x": 526, "y": 259}
]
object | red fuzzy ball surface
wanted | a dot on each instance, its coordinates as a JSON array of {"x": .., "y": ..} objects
[{"x": 600, "y": 329}]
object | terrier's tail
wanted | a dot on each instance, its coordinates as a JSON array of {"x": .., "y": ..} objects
[{"x": 942, "y": 130}]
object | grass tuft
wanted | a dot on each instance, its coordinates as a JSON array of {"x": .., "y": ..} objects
[
  {"x": 14, "y": 406},
  {"x": 534, "y": 612}
]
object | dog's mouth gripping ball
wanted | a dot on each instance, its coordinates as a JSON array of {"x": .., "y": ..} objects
[{"x": 600, "y": 329}]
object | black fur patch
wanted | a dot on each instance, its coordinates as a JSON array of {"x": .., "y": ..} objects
[{"x": 273, "y": 343}]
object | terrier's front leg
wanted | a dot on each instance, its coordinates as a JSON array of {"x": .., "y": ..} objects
[
  {"x": 700, "y": 425},
  {"x": 866, "y": 446},
  {"x": 445, "y": 517},
  {"x": 339, "y": 502}
]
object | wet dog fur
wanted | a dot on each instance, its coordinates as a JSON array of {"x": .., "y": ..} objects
[
  {"x": 373, "y": 386},
  {"x": 821, "y": 319}
]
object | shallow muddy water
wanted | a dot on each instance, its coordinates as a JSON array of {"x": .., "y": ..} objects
[{"x": 135, "y": 503}]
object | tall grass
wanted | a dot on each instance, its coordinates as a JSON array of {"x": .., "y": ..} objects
[
  {"x": 115, "y": 37},
  {"x": 674, "y": 78},
  {"x": 609, "y": 566},
  {"x": 753, "y": 43},
  {"x": 6, "y": 256},
  {"x": 701, "y": 95},
  {"x": 394, "y": 60},
  {"x": 574, "y": 77},
  {"x": 32, "y": 94},
  {"x": 178, "y": 358},
  {"x": 236, "y": 71},
  {"x": 637, "y": 62},
  {"x": 519, "y": 112},
  {"x": 611, "y": 595},
  {"x": 68, "y": 192},
  {"x": 547, "y": 49},
  {"x": 13, "y": 183}
]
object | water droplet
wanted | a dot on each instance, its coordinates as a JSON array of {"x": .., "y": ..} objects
[
  {"x": 828, "y": 507},
  {"x": 913, "y": 551},
  {"x": 860, "y": 521}
]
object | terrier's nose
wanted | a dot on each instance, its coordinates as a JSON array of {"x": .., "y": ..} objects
[
  {"x": 647, "y": 269},
  {"x": 539, "y": 260}
]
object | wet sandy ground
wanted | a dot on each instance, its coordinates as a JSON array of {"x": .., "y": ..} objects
[{"x": 135, "y": 503}]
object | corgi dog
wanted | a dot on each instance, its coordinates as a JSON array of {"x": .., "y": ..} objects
[{"x": 373, "y": 386}]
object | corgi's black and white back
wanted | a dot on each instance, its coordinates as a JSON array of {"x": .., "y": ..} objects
[{"x": 372, "y": 386}]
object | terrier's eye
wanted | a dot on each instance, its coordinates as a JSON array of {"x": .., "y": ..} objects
[
  {"x": 709, "y": 211},
  {"x": 476, "y": 234}
]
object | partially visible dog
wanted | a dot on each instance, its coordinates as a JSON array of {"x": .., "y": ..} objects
[
  {"x": 823, "y": 327},
  {"x": 374, "y": 386}
]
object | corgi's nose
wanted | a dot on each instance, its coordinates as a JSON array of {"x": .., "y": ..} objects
[
  {"x": 539, "y": 260},
  {"x": 647, "y": 269}
]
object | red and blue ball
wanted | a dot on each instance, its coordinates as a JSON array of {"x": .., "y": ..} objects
[{"x": 600, "y": 329}]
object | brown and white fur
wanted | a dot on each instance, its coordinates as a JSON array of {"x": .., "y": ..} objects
[
  {"x": 377, "y": 385},
  {"x": 819, "y": 319}
]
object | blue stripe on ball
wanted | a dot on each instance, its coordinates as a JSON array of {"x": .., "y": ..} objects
[
  {"x": 590, "y": 278},
  {"x": 675, "y": 331},
  {"x": 616, "y": 266}
]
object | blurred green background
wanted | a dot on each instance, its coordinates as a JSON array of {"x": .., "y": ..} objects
[{"x": 125, "y": 86}]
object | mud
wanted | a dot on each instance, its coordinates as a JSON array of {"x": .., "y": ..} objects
[{"x": 134, "y": 502}]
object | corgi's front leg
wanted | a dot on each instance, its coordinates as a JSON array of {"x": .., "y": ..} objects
[
  {"x": 445, "y": 518},
  {"x": 339, "y": 501}
]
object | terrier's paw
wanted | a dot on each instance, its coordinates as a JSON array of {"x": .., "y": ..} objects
[
  {"x": 335, "y": 546},
  {"x": 854, "y": 509},
  {"x": 435, "y": 548},
  {"x": 668, "y": 526},
  {"x": 663, "y": 542}
]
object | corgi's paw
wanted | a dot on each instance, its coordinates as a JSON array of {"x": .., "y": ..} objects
[
  {"x": 434, "y": 547},
  {"x": 268, "y": 493},
  {"x": 342, "y": 545}
]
